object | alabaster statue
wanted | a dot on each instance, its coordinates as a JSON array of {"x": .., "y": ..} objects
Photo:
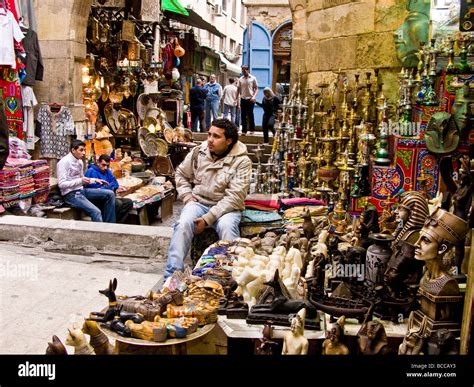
[
  {"x": 294, "y": 342},
  {"x": 442, "y": 230},
  {"x": 402, "y": 268},
  {"x": 333, "y": 344}
]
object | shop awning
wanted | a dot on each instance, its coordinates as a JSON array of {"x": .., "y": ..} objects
[
  {"x": 229, "y": 66},
  {"x": 173, "y": 6},
  {"x": 193, "y": 20}
]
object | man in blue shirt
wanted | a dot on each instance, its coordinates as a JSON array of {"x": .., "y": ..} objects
[
  {"x": 213, "y": 98},
  {"x": 101, "y": 171}
]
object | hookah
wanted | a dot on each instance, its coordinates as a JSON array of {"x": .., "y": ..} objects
[
  {"x": 430, "y": 94},
  {"x": 451, "y": 67},
  {"x": 382, "y": 154},
  {"x": 259, "y": 175},
  {"x": 463, "y": 65}
]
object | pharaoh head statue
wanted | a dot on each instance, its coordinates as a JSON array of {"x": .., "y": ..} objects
[
  {"x": 412, "y": 212},
  {"x": 413, "y": 30},
  {"x": 462, "y": 107}
]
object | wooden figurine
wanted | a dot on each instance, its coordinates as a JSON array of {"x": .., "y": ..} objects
[
  {"x": 114, "y": 307},
  {"x": 77, "y": 339},
  {"x": 294, "y": 342},
  {"x": 308, "y": 226},
  {"x": 333, "y": 344},
  {"x": 56, "y": 347},
  {"x": 266, "y": 345},
  {"x": 99, "y": 341}
]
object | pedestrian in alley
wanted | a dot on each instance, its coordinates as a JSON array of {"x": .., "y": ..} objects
[
  {"x": 101, "y": 171},
  {"x": 229, "y": 96},
  {"x": 213, "y": 181},
  {"x": 213, "y": 98},
  {"x": 99, "y": 204},
  {"x": 197, "y": 97},
  {"x": 270, "y": 104},
  {"x": 247, "y": 91}
]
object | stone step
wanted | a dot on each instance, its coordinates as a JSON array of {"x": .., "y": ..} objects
[{"x": 74, "y": 236}]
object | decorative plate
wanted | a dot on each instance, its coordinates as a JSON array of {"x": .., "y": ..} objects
[
  {"x": 152, "y": 145},
  {"x": 168, "y": 135}
]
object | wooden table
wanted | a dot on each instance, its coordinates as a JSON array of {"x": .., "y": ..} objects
[{"x": 133, "y": 346}]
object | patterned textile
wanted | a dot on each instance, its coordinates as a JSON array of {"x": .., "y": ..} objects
[
  {"x": 11, "y": 94},
  {"x": 253, "y": 216},
  {"x": 55, "y": 127},
  {"x": 411, "y": 156}
]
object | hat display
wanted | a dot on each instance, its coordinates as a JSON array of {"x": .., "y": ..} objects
[{"x": 445, "y": 226}]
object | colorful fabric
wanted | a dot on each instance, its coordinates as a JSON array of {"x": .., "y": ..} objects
[
  {"x": 253, "y": 216},
  {"x": 12, "y": 105},
  {"x": 410, "y": 158}
]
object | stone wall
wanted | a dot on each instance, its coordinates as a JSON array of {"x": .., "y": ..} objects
[
  {"x": 269, "y": 13},
  {"x": 62, "y": 34},
  {"x": 348, "y": 36}
]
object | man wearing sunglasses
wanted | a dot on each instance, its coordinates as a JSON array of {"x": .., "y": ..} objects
[{"x": 101, "y": 170}]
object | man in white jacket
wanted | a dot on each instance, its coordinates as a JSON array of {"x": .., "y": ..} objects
[{"x": 213, "y": 181}]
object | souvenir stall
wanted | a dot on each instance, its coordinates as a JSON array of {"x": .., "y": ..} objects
[
  {"x": 24, "y": 182},
  {"x": 389, "y": 261}
]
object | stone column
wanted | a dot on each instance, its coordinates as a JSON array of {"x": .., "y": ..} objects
[{"x": 62, "y": 26}]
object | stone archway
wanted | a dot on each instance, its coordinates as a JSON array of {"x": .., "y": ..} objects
[{"x": 62, "y": 26}]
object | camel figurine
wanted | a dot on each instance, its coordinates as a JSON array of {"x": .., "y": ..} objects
[
  {"x": 56, "y": 347},
  {"x": 77, "y": 339},
  {"x": 99, "y": 341}
]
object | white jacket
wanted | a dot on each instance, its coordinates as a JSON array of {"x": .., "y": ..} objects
[{"x": 222, "y": 184}]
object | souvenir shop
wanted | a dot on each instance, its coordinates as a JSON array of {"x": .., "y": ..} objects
[{"x": 357, "y": 236}]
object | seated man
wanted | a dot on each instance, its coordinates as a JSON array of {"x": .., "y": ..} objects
[
  {"x": 70, "y": 171},
  {"x": 213, "y": 181},
  {"x": 101, "y": 171}
]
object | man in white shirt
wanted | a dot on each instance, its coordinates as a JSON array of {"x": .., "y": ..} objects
[
  {"x": 247, "y": 90},
  {"x": 70, "y": 171},
  {"x": 229, "y": 96}
]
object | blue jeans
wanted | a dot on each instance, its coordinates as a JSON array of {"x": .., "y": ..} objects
[
  {"x": 227, "y": 227},
  {"x": 86, "y": 199},
  {"x": 232, "y": 110},
  {"x": 211, "y": 107}
]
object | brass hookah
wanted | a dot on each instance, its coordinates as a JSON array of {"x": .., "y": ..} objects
[
  {"x": 382, "y": 154},
  {"x": 339, "y": 218},
  {"x": 328, "y": 173}
]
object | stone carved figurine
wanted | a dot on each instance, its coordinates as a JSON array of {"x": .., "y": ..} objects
[
  {"x": 442, "y": 342},
  {"x": 308, "y": 226},
  {"x": 441, "y": 133},
  {"x": 442, "y": 230},
  {"x": 294, "y": 342},
  {"x": 56, "y": 347},
  {"x": 77, "y": 339},
  {"x": 414, "y": 30},
  {"x": 415, "y": 337},
  {"x": 372, "y": 339},
  {"x": 402, "y": 268},
  {"x": 333, "y": 344},
  {"x": 99, "y": 341}
]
